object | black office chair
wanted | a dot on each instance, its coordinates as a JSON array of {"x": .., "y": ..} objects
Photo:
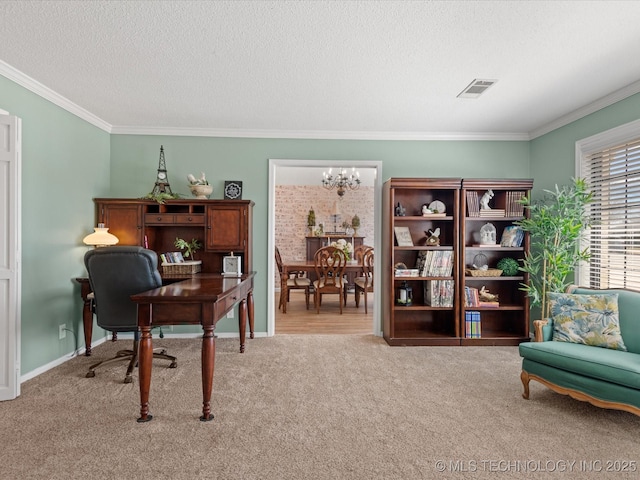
[{"x": 116, "y": 273}]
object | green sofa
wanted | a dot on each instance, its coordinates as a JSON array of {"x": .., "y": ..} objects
[{"x": 604, "y": 377}]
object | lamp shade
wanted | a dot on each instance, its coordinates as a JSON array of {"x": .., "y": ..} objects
[{"x": 100, "y": 237}]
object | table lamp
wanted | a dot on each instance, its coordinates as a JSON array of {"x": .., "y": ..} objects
[{"x": 100, "y": 237}]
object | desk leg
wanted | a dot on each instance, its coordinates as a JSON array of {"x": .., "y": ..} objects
[
  {"x": 208, "y": 366},
  {"x": 87, "y": 325},
  {"x": 250, "y": 307},
  {"x": 283, "y": 291},
  {"x": 242, "y": 322},
  {"x": 145, "y": 361}
]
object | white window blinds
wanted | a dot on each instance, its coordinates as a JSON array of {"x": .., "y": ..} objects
[{"x": 613, "y": 175}]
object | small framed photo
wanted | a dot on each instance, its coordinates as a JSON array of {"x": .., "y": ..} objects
[
  {"x": 233, "y": 190},
  {"x": 403, "y": 236}
]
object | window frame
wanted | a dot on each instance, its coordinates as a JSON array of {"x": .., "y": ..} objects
[{"x": 586, "y": 147}]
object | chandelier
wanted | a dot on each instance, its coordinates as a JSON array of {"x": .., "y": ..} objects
[{"x": 341, "y": 181}]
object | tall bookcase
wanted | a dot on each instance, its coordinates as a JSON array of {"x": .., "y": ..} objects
[
  {"x": 435, "y": 322},
  {"x": 425, "y": 321},
  {"x": 507, "y": 322}
]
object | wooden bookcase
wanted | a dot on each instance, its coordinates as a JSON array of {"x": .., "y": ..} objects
[
  {"x": 423, "y": 323},
  {"x": 420, "y": 323},
  {"x": 508, "y": 323},
  {"x": 222, "y": 226}
]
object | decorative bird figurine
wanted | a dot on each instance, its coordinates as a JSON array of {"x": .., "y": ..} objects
[{"x": 433, "y": 237}]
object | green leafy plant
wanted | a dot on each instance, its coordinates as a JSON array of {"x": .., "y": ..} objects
[
  {"x": 556, "y": 225},
  {"x": 191, "y": 247},
  {"x": 161, "y": 197},
  {"x": 509, "y": 266}
]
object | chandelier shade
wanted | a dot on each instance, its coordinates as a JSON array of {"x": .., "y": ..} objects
[{"x": 341, "y": 181}]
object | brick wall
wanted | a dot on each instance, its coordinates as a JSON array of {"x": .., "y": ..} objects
[{"x": 293, "y": 202}]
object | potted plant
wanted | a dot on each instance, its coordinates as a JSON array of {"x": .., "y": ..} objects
[
  {"x": 555, "y": 225},
  {"x": 191, "y": 247},
  {"x": 355, "y": 223},
  {"x": 311, "y": 221}
]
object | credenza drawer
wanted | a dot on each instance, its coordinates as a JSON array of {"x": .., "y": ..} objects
[
  {"x": 173, "y": 219},
  {"x": 158, "y": 218},
  {"x": 189, "y": 219}
]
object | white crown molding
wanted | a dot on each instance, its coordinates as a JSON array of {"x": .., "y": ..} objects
[
  {"x": 319, "y": 135},
  {"x": 36, "y": 87},
  {"x": 587, "y": 109}
]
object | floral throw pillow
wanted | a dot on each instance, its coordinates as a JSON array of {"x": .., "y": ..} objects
[{"x": 587, "y": 319}]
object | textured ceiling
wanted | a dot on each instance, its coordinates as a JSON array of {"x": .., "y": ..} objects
[{"x": 326, "y": 68}]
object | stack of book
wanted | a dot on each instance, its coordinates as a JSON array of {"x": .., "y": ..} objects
[
  {"x": 472, "y": 326},
  {"x": 492, "y": 212},
  {"x": 435, "y": 263},
  {"x": 439, "y": 293},
  {"x": 513, "y": 206}
]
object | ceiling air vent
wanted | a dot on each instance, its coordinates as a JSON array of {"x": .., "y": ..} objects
[{"x": 476, "y": 88}]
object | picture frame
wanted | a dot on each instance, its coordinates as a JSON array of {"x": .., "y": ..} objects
[
  {"x": 232, "y": 190},
  {"x": 512, "y": 236},
  {"x": 403, "y": 236}
]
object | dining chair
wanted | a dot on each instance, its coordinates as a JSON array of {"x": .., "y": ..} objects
[
  {"x": 296, "y": 280},
  {"x": 364, "y": 282},
  {"x": 116, "y": 273},
  {"x": 330, "y": 263}
]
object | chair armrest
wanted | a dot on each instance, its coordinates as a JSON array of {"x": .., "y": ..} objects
[{"x": 543, "y": 330}]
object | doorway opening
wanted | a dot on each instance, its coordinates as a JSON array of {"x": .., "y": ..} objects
[{"x": 279, "y": 169}]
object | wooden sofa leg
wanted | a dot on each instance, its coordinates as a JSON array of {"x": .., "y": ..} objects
[{"x": 524, "y": 376}]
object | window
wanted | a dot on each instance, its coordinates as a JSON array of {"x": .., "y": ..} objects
[{"x": 610, "y": 164}]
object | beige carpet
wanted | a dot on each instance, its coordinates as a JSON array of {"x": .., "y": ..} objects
[{"x": 312, "y": 407}]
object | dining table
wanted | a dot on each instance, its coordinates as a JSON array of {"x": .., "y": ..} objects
[{"x": 308, "y": 266}]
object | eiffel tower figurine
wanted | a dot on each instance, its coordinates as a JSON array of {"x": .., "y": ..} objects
[{"x": 162, "y": 181}]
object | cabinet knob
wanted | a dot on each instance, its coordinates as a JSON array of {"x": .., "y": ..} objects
[
  {"x": 190, "y": 219},
  {"x": 159, "y": 218}
]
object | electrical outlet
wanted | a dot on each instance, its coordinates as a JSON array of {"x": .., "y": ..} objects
[
  {"x": 62, "y": 332},
  {"x": 230, "y": 313}
]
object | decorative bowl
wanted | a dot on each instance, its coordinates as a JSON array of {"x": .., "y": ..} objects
[{"x": 201, "y": 191}]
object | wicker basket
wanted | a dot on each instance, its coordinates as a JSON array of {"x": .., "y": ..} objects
[
  {"x": 490, "y": 272},
  {"x": 184, "y": 268}
]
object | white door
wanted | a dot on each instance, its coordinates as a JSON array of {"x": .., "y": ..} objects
[{"x": 10, "y": 265}]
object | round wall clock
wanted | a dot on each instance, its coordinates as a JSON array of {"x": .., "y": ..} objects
[{"x": 233, "y": 190}]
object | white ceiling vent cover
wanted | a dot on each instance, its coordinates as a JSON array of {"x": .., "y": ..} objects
[{"x": 476, "y": 88}]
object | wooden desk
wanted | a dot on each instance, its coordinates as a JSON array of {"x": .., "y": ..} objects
[
  {"x": 87, "y": 309},
  {"x": 201, "y": 300},
  {"x": 307, "y": 266}
]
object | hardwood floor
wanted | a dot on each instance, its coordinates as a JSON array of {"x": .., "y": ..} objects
[{"x": 299, "y": 320}]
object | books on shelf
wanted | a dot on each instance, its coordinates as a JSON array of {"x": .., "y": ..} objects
[
  {"x": 472, "y": 325},
  {"x": 473, "y": 205},
  {"x": 492, "y": 212},
  {"x": 513, "y": 207},
  {"x": 512, "y": 236},
  {"x": 403, "y": 236},
  {"x": 435, "y": 263},
  {"x": 407, "y": 272},
  {"x": 172, "y": 257},
  {"x": 439, "y": 293},
  {"x": 472, "y": 299}
]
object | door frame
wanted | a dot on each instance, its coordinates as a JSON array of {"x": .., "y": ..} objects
[
  {"x": 12, "y": 269},
  {"x": 274, "y": 164}
]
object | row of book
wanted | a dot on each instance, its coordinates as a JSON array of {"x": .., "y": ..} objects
[
  {"x": 172, "y": 257},
  {"x": 512, "y": 206},
  {"x": 472, "y": 325},
  {"x": 439, "y": 293},
  {"x": 472, "y": 299},
  {"x": 435, "y": 263}
]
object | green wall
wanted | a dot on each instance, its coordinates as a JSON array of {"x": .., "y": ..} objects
[
  {"x": 134, "y": 160},
  {"x": 67, "y": 162},
  {"x": 553, "y": 154}
]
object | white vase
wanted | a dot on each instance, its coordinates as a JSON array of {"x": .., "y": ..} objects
[{"x": 201, "y": 191}]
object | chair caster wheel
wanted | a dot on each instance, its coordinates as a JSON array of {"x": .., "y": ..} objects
[
  {"x": 128, "y": 379},
  {"x": 173, "y": 365},
  {"x": 90, "y": 374}
]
